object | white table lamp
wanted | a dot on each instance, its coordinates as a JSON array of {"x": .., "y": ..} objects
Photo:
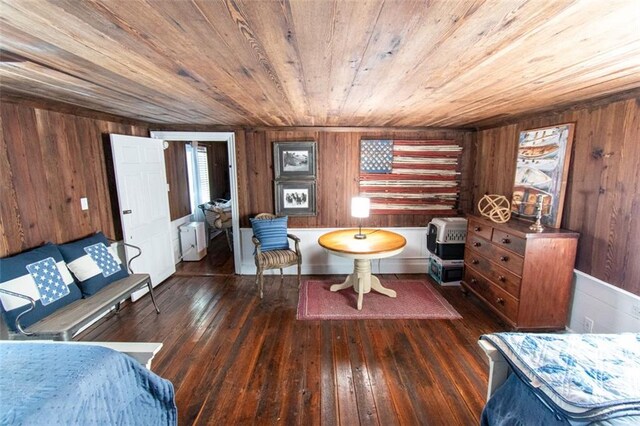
[{"x": 360, "y": 208}]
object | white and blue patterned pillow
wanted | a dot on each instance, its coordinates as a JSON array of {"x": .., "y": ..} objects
[
  {"x": 272, "y": 233},
  {"x": 40, "y": 274},
  {"x": 94, "y": 264}
]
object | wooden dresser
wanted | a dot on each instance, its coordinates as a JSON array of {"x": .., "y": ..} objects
[{"x": 523, "y": 276}]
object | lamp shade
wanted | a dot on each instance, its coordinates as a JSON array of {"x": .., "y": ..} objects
[{"x": 360, "y": 207}]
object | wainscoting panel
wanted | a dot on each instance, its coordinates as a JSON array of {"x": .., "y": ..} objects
[
  {"x": 316, "y": 261},
  {"x": 611, "y": 309}
]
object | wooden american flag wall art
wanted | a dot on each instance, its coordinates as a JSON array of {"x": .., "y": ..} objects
[{"x": 410, "y": 176}]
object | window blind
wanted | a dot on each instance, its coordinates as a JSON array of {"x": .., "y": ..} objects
[{"x": 203, "y": 174}]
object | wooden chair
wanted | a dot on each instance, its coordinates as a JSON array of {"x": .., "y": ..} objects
[
  {"x": 275, "y": 259},
  {"x": 216, "y": 219}
]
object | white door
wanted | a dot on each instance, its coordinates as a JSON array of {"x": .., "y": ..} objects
[{"x": 141, "y": 182}]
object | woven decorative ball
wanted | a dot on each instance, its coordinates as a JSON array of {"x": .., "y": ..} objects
[{"x": 495, "y": 207}]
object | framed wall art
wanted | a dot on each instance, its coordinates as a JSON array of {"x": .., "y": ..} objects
[
  {"x": 411, "y": 176},
  {"x": 541, "y": 173},
  {"x": 295, "y": 198},
  {"x": 294, "y": 160}
]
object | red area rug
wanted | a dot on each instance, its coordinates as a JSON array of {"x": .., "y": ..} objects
[{"x": 416, "y": 299}]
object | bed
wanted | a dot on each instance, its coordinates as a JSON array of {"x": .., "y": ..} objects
[
  {"x": 67, "y": 383},
  {"x": 561, "y": 379}
]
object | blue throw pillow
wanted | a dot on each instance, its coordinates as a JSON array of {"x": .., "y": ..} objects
[
  {"x": 94, "y": 264},
  {"x": 272, "y": 233},
  {"x": 40, "y": 274}
]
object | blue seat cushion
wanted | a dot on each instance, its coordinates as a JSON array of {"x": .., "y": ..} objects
[
  {"x": 93, "y": 263},
  {"x": 272, "y": 233},
  {"x": 41, "y": 274}
]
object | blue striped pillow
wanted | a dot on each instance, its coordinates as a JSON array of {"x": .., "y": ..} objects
[{"x": 272, "y": 233}]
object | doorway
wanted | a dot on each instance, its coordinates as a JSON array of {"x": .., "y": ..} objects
[{"x": 207, "y": 139}]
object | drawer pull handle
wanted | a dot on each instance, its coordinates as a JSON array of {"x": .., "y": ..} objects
[
  {"x": 475, "y": 261},
  {"x": 500, "y": 301},
  {"x": 476, "y": 244},
  {"x": 473, "y": 281},
  {"x": 501, "y": 278},
  {"x": 477, "y": 229},
  {"x": 504, "y": 258},
  {"x": 506, "y": 241}
]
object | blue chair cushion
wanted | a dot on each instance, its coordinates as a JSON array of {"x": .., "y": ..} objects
[
  {"x": 272, "y": 233},
  {"x": 94, "y": 264},
  {"x": 41, "y": 274}
]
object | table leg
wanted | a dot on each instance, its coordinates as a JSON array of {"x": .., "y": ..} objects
[
  {"x": 376, "y": 286},
  {"x": 363, "y": 281},
  {"x": 350, "y": 281}
]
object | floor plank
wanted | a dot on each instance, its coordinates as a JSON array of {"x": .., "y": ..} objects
[
  {"x": 236, "y": 359},
  {"x": 218, "y": 261}
]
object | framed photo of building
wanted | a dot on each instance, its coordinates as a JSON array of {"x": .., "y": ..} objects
[
  {"x": 541, "y": 173},
  {"x": 294, "y": 160},
  {"x": 295, "y": 198}
]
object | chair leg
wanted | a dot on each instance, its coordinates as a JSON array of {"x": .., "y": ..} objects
[
  {"x": 118, "y": 308},
  {"x": 260, "y": 281},
  {"x": 298, "y": 275},
  {"x": 281, "y": 278},
  {"x": 153, "y": 297}
]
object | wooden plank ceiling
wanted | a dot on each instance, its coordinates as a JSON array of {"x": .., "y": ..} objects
[{"x": 319, "y": 63}]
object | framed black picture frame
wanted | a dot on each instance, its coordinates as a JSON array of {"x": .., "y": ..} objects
[
  {"x": 294, "y": 160},
  {"x": 295, "y": 198}
]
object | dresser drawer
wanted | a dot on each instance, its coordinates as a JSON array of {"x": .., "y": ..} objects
[
  {"x": 499, "y": 276},
  {"x": 493, "y": 295},
  {"x": 478, "y": 244},
  {"x": 508, "y": 241},
  {"x": 498, "y": 255},
  {"x": 480, "y": 229}
]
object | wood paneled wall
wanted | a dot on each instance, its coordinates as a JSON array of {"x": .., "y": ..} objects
[
  {"x": 175, "y": 158},
  {"x": 48, "y": 161},
  {"x": 338, "y": 162},
  {"x": 603, "y": 191},
  {"x": 218, "y": 169}
]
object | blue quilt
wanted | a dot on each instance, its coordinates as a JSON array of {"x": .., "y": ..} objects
[
  {"x": 581, "y": 377},
  {"x": 52, "y": 383}
]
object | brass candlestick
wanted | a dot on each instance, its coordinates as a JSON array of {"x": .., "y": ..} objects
[{"x": 537, "y": 226}]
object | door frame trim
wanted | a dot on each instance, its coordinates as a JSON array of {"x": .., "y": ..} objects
[{"x": 230, "y": 139}]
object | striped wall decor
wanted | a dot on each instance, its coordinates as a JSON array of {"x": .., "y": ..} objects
[{"x": 410, "y": 176}]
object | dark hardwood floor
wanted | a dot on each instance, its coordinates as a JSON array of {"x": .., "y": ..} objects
[
  {"x": 218, "y": 261},
  {"x": 236, "y": 359}
]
